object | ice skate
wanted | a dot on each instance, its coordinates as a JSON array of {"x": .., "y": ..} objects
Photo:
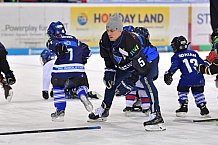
[
  {"x": 99, "y": 115},
  {"x": 155, "y": 122},
  {"x": 58, "y": 116},
  {"x": 157, "y": 127},
  {"x": 204, "y": 111},
  {"x": 182, "y": 111},
  {"x": 128, "y": 111},
  {"x": 88, "y": 105},
  {"x": 8, "y": 92}
]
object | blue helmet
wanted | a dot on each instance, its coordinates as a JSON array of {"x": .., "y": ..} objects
[
  {"x": 143, "y": 32},
  {"x": 55, "y": 29},
  {"x": 47, "y": 55},
  {"x": 129, "y": 28}
]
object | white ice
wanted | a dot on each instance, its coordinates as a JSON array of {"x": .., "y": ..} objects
[{"x": 29, "y": 111}]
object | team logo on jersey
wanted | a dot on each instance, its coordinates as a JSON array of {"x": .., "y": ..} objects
[
  {"x": 117, "y": 58},
  {"x": 82, "y": 19},
  {"x": 134, "y": 50}
]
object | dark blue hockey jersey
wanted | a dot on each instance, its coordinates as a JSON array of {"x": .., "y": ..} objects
[
  {"x": 186, "y": 61},
  {"x": 70, "y": 64}
]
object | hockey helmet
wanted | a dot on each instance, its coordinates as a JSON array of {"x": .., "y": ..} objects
[
  {"x": 179, "y": 43},
  {"x": 143, "y": 32},
  {"x": 128, "y": 28},
  {"x": 55, "y": 29},
  {"x": 47, "y": 55}
]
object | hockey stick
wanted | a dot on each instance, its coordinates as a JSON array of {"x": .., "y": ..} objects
[
  {"x": 206, "y": 120},
  {"x": 50, "y": 130}
]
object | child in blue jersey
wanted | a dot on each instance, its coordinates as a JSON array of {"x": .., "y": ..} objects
[
  {"x": 137, "y": 100},
  {"x": 48, "y": 58},
  {"x": 68, "y": 70},
  {"x": 185, "y": 60}
]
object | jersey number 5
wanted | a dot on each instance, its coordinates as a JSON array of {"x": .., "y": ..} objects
[{"x": 141, "y": 62}]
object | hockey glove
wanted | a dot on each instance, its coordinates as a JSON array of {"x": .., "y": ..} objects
[
  {"x": 45, "y": 94},
  {"x": 124, "y": 88},
  {"x": 10, "y": 78},
  {"x": 168, "y": 79},
  {"x": 201, "y": 68},
  {"x": 211, "y": 57},
  {"x": 109, "y": 77},
  {"x": 60, "y": 49}
]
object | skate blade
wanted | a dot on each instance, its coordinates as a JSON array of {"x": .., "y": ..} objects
[
  {"x": 97, "y": 120},
  {"x": 10, "y": 95},
  {"x": 88, "y": 105},
  {"x": 58, "y": 119},
  {"x": 157, "y": 127},
  {"x": 181, "y": 114},
  {"x": 206, "y": 116}
]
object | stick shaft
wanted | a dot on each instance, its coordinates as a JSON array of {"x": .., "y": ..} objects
[{"x": 50, "y": 130}]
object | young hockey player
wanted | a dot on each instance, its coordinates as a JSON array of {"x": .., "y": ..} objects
[
  {"x": 68, "y": 71},
  {"x": 48, "y": 58},
  {"x": 137, "y": 100},
  {"x": 185, "y": 60},
  {"x": 9, "y": 78},
  {"x": 128, "y": 60}
]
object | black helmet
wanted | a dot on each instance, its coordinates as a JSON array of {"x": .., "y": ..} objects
[
  {"x": 179, "y": 43},
  {"x": 143, "y": 32},
  {"x": 214, "y": 35}
]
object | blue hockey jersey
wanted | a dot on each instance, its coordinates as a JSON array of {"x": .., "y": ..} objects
[
  {"x": 186, "y": 61},
  {"x": 70, "y": 64}
]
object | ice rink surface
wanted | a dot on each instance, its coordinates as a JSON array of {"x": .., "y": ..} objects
[{"x": 29, "y": 111}]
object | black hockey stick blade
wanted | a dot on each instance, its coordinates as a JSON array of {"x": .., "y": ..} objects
[
  {"x": 206, "y": 120},
  {"x": 50, "y": 130}
]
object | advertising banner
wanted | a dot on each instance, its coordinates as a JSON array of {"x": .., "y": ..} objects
[
  {"x": 25, "y": 26},
  {"x": 201, "y": 28},
  {"x": 89, "y": 23}
]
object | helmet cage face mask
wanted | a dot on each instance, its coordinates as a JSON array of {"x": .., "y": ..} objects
[
  {"x": 55, "y": 29},
  {"x": 129, "y": 28},
  {"x": 46, "y": 56},
  {"x": 179, "y": 43},
  {"x": 142, "y": 31}
]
